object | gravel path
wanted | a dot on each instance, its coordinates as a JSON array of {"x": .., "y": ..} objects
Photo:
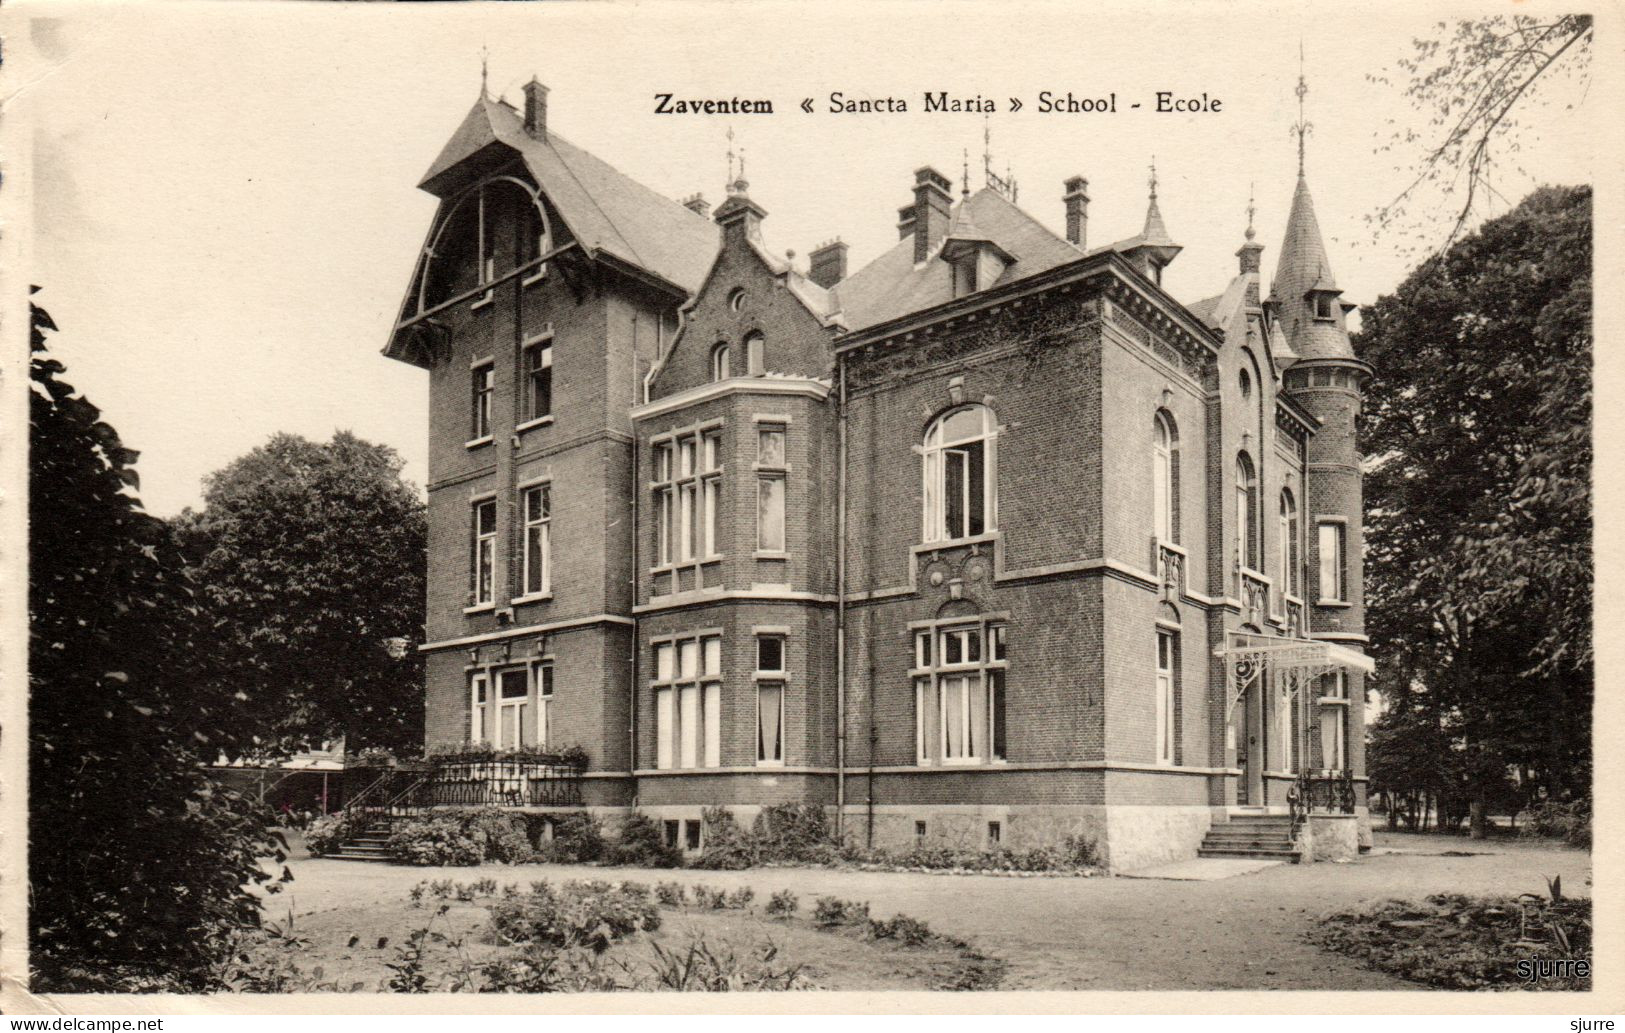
[{"x": 1084, "y": 934}]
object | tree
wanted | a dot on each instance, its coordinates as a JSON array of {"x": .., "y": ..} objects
[
  {"x": 311, "y": 557},
  {"x": 1473, "y": 85},
  {"x": 137, "y": 863},
  {"x": 1478, "y": 525}
]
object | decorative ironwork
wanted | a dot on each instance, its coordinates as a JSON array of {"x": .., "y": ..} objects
[
  {"x": 469, "y": 781},
  {"x": 1324, "y": 792}
]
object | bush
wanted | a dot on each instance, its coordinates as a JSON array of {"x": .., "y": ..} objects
[
  {"x": 440, "y": 840},
  {"x": 503, "y": 834},
  {"x": 327, "y": 833},
  {"x": 577, "y": 839},
  {"x": 640, "y": 845},
  {"x": 696, "y": 966},
  {"x": 782, "y": 904},
  {"x": 910, "y": 932},
  {"x": 794, "y": 832},
  {"x": 727, "y": 846},
  {"x": 576, "y": 914},
  {"x": 1570, "y": 822},
  {"x": 832, "y": 911},
  {"x": 671, "y": 894}
]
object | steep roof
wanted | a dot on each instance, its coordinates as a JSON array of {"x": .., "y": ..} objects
[
  {"x": 892, "y": 285},
  {"x": 604, "y": 209},
  {"x": 1303, "y": 267}
]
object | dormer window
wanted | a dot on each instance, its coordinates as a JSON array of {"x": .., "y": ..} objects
[
  {"x": 1323, "y": 304},
  {"x": 965, "y": 275}
]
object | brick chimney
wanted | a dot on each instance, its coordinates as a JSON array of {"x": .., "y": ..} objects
[
  {"x": 905, "y": 222},
  {"x": 1076, "y": 200},
  {"x": 827, "y": 264},
  {"x": 536, "y": 109},
  {"x": 698, "y": 205},
  {"x": 931, "y": 205}
]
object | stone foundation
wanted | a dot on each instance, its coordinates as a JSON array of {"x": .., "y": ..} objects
[
  {"x": 1362, "y": 825},
  {"x": 1331, "y": 837}
]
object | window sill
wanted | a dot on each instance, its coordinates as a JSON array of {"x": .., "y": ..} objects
[
  {"x": 770, "y": 764},
  {"x": 540, "y": 421},
  {"x": 984, "y": 538},
  {"x": 780, "y": 469},
  {"x": 477, "y": 442},
  {"x": 535, "y": 597},
  {"x": 1334, "y": 604},
  {"x": 769, "y": 554},
  {"x": 770, "y": 676},
  {"x": 484, "y": 300},
  {"x": 480, "y": 608},
  {"x": 1332, "y": 701},
  {"x": 1173, "y": 547}
]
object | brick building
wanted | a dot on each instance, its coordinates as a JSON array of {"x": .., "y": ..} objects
[{"x": 990, "y": 541}]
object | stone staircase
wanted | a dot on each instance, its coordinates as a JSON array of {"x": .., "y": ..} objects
[
  {"x": 370, "y": 844},
  {"x": 1251, "y": 835}
]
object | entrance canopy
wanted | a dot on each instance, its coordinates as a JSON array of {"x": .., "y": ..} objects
[{"x": 1310, "y": 656}]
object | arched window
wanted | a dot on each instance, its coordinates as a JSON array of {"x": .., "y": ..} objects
[
  {"x": 960, "y": 483},
  {"x": 719, "y": 362},
  {"x": 499, "y": 225},
  {"x": 1164, "y": 480},
  {"x": 755, "y": 354},
  {"x": 1246, "y": 513},
  {"x": 1290, "y": 558}
]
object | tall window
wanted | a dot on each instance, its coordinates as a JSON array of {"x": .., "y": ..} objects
[
  {"x": 543, "y": 674},
  {"x": 1334, "y": 746},
  {"x": 770, "y": 482},
  {"x": 1333, "y": 581},
  {"x": 1162, "y": 479},
  {"x": 538, "y": 360},
  {"x": 770, "y": 676},
  {"x": 1246, "y": 513},
  {"x": 538, "y": 502},
  {"x": 479, "y": 728},
  {"x": 719, "y": 363},
  {"x": 1290, "y": 558},
  {"x": 688, "y": 702},
  {"x": 755, "y": 355},
  {"x": 688, "y": 496},
  {"x": 959, "y": 690},
  {"x": 1167, "y": 716},
  {"x": 484, "y": 385},
  {"x": 959, "y": 480},
  {"x": 483, "y": 565}
]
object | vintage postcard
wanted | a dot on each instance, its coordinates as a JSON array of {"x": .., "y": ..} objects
[{"x": 882, "y": 501}]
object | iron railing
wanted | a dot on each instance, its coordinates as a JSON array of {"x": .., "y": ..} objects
[
  {"x": 1325, "y": 792},
  {"x": 464, "y": 781}
]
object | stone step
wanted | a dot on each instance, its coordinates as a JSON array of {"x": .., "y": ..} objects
[
  {"x": 345, "y": 855},
  {"x": 1248, "y": 841},
  {"x": 1276, "y": 853},
  {"x": 370, "y": 849}
]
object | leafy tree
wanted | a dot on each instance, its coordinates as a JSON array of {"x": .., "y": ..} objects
[
  {"x": 1478, "y": 524},
  {"x": 138, "y": 865},
  {"x": 1474, "y": 83},
  {"x": 311, "y": 557}
]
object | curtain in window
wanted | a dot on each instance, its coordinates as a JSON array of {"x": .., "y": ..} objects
[
  {"x": 664, "y": 730},
  {"x": 769, "y": 711},
  {"x": 770, "y": 514}
]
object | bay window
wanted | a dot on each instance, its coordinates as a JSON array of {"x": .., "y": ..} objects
[
  {"x": 687, "y": 496},
  {"x": 688, "y": 702},
  {"x": 770, "y": 485},
  {"x": 770, "y": 683}
]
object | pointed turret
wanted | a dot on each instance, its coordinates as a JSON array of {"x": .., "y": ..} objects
[
  {"x": 1153, "y": 249},
  {"x": 1305, "y": 293}
]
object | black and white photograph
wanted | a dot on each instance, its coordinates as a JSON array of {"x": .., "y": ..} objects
[{"x": 904, "y": 504}]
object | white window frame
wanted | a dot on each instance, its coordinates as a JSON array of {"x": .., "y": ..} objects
[
  {"x": 482, "y": 400},
  {"x": 1162, "y": 480},
  {"x": 543, "y": 526},
  {"x": 542, "y": 688},
  {"x": 687, "y": 687},
  {"x": 479, "y": 711},
  {"x": 1167, "y": 711},
  {"x": 755, "y": 354},
  {"x": 544, "y": 348},
  {"x": 1291, "y": 559},
  {"x": 932, "y": 673},
  {"x": 483, "y": 556},
  {"x": 1332, "y": 568},
  {"x": 503, "y": 703},
  {"x": 1246, "y": 512},
  {"x": 687, "y": 488},
  {"x": 720, "y": 358},
  {"x": 935, "y": 457},
  {"x": 770, "y": 477},
  {"x": 771, "y": 678}
]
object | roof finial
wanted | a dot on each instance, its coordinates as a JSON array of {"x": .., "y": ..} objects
[
  {"x": 485, "y": 71},
  {"x": 1153, "y": 177},
  {"x": 987, "y": 150},
  {"x": 1303, "y": 127},
  {"x": 728, "y": 184},
  {"x": 964, "y": 175},
  {"x": 1250, "y": 209}
]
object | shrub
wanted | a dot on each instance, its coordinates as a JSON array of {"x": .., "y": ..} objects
[
  {"x": 727, "y": 845},
  {"x": 910, "y": 932},
  {"x": 794, "y": 832},
  {"x": 739, "y": 899},
  {"x": 641, "y": 845},
  {"x": 1570, "y": 822},
  {"x": 577, "y": 914},
  {"x": 544, "y": 969},
  {"x": 577, "y": 839},
  {"x": 503, "y": 835},
  {"x": 328, "y": 833},
  {"x": 710, "y": 898},
  {"x": 832, "y": 911},
  {"x": 440, "y": 840},
  {"x": 696, "y": 966},
  {"x": 782, "y": 904},
  {"x": 671, "y": 894}
]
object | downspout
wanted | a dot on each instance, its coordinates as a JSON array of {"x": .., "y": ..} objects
[
  {"x": 632, "y": 661},
  {"x": 840, "y": 607}
]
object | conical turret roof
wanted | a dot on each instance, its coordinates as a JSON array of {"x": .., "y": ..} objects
[{"x": 1301, "y": 269}]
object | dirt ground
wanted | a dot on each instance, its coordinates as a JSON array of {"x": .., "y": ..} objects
[{"x": 1083, "y": 934}]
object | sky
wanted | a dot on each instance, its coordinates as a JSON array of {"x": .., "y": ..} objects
[{"x": 225, "y": 202}]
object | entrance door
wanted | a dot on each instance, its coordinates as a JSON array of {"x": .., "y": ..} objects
[{"x": 1255, "y": 748}]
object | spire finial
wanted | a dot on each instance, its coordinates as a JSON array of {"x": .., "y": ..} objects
[
  {"x": 485, "y": 71},
  {"x": 728, "y": 184},
  {"x": 1303, "y": 127},
  {"x": 1153, "y": 180},
  {"x": 987, "y": 150},
  {"x": 964, "y": 175},
  {"x": 1250, "y": 210}
]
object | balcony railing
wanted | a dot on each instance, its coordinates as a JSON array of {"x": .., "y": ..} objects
[
  {"x": 1322, "y": 792},
  {"x": 475, "y": 779}
]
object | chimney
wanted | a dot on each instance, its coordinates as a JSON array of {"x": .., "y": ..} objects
[
  {"x": 536, "y": 109},
  {"x": 698, "y": 205},
  {"x": 905, "y": 222},
  {"x": 1076, "y": 200},
  {"x": 931, "y": 204},
  {"x": 827, "y": 264}
]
